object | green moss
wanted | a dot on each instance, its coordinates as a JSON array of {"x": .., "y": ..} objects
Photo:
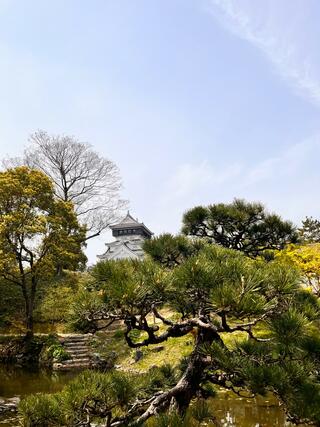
[{"x": 174, "y": 349}]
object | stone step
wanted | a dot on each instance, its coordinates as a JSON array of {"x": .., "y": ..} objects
[
  {"x": 76, "y": 347},
  {"x": 69, "y": 367},
  {"x": 71, "y": 339},
  {"x": 73, "y": 366},
  {"x": 79, "y": 358},
  {"x": 69, "y": 336},
  {"x": 82, "y": 352},
  {"x": 75, "y": 344},
  {"x": 73, "y": 355},
  {"x": 72, "y": 362}
]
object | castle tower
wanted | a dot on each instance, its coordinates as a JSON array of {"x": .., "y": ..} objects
[{"x": 130, "y": 235}]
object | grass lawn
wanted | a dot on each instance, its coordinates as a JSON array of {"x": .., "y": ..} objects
[{"x": 170, "y": 351}]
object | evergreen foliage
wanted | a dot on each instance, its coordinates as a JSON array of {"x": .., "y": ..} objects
[
  {"x": 309, "y": 232},
  {"x": 214, "y": 294},
  {"x": 239, "y": 225},
  {"x": 169, "y": 250},
  {"x": 253, "y": 324}
]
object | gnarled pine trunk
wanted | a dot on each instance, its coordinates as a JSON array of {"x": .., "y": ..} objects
[{"x": 180, "y": 396}]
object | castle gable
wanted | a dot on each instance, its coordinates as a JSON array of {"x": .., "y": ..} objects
[{"x": 130, "y": 235}]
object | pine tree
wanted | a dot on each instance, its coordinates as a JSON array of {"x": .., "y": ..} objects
[{"x": 213, "y": 295}]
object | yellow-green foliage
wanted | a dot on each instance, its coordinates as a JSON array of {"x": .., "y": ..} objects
[
  {"x": 38, "y": 233},
  {"x": 36, "y": 221},
  {"x": 11, "y": 305},
  {"x": 306, "y": 258},
  {"x": 57, "y": 296}
]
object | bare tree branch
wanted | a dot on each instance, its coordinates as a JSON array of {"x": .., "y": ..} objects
[{"x": 91, "y": 182}]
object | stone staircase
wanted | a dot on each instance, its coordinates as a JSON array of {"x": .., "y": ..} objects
[{"x": 78, "y": 349}]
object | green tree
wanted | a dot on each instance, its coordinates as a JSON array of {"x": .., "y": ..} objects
[
  {"x": 37, "y": 233},
  {"x": 309, "y": 232},
  {"x": 169, "y": 250},
  {"x": 254, "y": 331},
  {"x": 306, "y": 258},
  {"x": 92, "y": 183},
  {"x": 239, "y": 225}
]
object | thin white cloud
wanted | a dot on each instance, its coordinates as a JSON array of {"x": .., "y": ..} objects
[
  {"x": 288, "y": 163},
  {"x": 191, "y": 179},
  {"x": 191, "y": 184},
  {"x": 281, "y": 31},
  {"x": 283, "y": 182}
]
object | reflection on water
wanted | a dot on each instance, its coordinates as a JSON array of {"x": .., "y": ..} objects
[
  {"x": 20, "y": 382},
  {"x": 232, "y": 410}
]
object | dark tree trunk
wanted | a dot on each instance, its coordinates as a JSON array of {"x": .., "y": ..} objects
[
  {"x": 29, "y": 319},
  {"x": 192, "y": 378},
  {"x": 28, "y": 310},
  {"x": 29, "y": 299},
  {"x": 59, "y": 270},
  {"x": 179, "y": 396}
]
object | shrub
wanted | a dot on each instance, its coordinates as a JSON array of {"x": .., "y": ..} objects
[
  {"x": 41, "y": 410},
  {"x": 53, "y": 350}
]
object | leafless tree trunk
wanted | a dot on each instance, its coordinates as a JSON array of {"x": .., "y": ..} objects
[{"x": 92, "y": 183}]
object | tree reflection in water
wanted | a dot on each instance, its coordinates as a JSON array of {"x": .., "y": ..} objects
[
  {"x": 235, "y": 411},
  {"x": 230, "y": 409}
]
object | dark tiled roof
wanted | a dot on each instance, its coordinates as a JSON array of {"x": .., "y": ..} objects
[{"x": 130, "y": 222}]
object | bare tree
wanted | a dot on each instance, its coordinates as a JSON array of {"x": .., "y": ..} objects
[{"x": 92, "y": 183}]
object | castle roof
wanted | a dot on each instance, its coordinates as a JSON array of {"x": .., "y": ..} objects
[
  {"x": 130, "y": 222},
  {"x": 130, "y": 235},
  {"x": 118, "y": 249}
]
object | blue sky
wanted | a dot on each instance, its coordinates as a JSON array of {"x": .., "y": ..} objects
[{"x": 197, "y": 101}]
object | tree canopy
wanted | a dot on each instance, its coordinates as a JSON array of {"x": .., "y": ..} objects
[
  {"x": 306, "y": 258},
  {"x": 254, "y": 330},
  {"x": 37, "y": 233},
  {"x": 239, "y": 225},
  {"x": 309, "y": 232},
  {"x": 92, "y": 183},
  {"x": 170, "y": 251}
]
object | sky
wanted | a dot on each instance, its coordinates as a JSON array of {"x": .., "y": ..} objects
[{"x": 196, "y": 101}]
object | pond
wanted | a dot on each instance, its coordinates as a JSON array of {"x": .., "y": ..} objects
[
  {"x": 20, "y": 382},
  {"x": 235, "y": 411},
  {"x": 232, "y": 410}
]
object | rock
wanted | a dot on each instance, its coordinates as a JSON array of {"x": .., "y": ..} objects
[
  {"x": 157, "y": 349},
  {"x": 9, "y": 405},
  {"x": 138, "y": 355},
  {"x": 104, "y": 362}
]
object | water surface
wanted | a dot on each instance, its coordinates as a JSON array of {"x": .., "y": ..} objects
[
  {"x": 21, "y": 382},
  {"x": 233, "y": 411}
]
